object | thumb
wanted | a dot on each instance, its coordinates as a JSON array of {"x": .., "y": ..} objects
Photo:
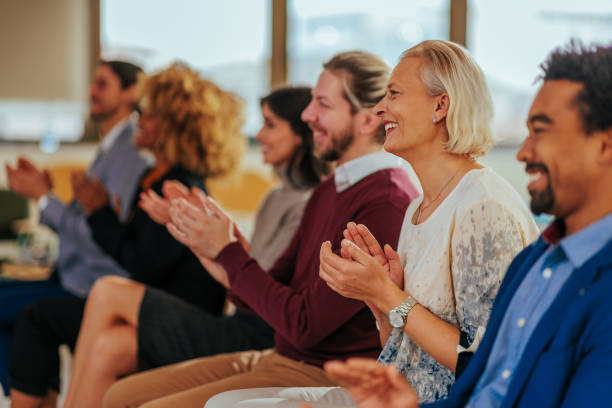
[{"x": 392, "y": 256}]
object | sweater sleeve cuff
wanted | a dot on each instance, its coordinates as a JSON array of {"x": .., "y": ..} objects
[{"x": 233, "y": 257}]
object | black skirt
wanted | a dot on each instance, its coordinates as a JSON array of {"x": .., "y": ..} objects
[{"x": 171, "y": 330}]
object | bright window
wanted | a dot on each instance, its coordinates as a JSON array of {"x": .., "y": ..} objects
[
  {"x": 319, "y": 29},
  {"x": 227, "y": 41}
]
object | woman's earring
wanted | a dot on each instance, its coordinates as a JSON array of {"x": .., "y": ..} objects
[{"x": 434, "y": 121}]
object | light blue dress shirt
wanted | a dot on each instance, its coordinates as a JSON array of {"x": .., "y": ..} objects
[{"x": 534, "y": 296}]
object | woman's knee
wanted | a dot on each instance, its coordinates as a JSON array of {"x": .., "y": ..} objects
[
  {"x": 114, "y": 352},
  {"x": 115, "y": 292}
]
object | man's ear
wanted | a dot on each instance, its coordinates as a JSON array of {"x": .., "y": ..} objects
[
  {"x": 128, "y": 95},
  {"x": 441, "y": 106},
  {"x": 605, "y": 156},
  {"x": 368, "y": 121}
]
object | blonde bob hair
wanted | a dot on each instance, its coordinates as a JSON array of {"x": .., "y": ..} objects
[
  {"x": 199, "y": 124},
  {"x": 449, "y": 68}
]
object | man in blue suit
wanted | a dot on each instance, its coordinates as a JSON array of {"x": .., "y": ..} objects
[
  {"x": 118, "y": 165},
  {"x": 548, "y": 342}
]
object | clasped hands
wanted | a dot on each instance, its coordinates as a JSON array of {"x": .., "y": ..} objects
[
  {"x": 26, "y": 180},
  {"x": 365, "y": 271},
  {"x": 196, "y": 221}
]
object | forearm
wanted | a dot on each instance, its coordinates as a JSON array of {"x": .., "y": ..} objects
[
  {"x": 315, "y": 309},
  {"x": 435, "y": 336}
]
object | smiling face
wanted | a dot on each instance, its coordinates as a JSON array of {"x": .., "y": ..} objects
[
  {"x": 407, "y": 110},
  {"x": 560, "y": 157},
  {"x": 148, "y": 125},
  {"x": 329, "y": 116},
  {"x": 105, "y": 94},
  {"x": 277, "y": 139}
]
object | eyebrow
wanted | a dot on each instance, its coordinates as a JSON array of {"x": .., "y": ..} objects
[{"x": 540, "y": 117}]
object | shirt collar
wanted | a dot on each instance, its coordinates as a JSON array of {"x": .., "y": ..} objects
[
  {"x": 582, "y": 245},
  {"x": 111, "y": 137},
  {"x": 357, "y": 169}
]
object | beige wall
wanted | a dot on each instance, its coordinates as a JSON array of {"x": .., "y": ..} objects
[{"x": 45, "y": 49}]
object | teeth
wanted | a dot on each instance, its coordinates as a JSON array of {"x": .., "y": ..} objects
[
  {"x": 389, "y": 126},
  {"x": 534, "y": 177}
]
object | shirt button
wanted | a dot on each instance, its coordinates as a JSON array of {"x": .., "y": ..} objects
[
  {"x": 506, "y": 374},
  {"x": 547, "y": 273},
  {"x": 521, "y": 322},
  {"x": 581, "y": 292}
]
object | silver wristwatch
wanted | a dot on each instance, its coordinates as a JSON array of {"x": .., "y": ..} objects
[{"x": 397, "y": 315}]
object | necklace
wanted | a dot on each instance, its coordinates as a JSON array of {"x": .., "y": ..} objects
[{"x": 421, "y": 208}]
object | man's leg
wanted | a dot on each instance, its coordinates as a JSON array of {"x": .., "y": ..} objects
[
  {"x": 14, "y": 296},
  {"x": 42, "y": 327},
  {"x": 192, "y": 383}
]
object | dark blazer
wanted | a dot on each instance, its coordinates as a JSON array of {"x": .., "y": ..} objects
[
  {"x": 152, "y": 256},
  {"x": 568, "y": 359}
]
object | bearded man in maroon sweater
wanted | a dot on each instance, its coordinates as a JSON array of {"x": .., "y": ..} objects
[{"x": 313, "y": 323}]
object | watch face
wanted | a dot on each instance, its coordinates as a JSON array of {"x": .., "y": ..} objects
[{"x": 396, "y": 319}]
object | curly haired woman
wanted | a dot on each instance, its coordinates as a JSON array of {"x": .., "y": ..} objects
[{"x": 192, "y": 128}]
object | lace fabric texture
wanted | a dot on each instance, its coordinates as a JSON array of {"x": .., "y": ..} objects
[{"x": 454, "y": 263}]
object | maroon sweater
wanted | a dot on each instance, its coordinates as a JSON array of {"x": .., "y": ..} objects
[{"x": 313, "y": 323}]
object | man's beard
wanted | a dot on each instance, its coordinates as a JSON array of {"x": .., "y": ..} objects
[
  {"x": 542, "y": 201},
  {"x": 340, "y": 145},
  {"x": 103, "y": 115}
]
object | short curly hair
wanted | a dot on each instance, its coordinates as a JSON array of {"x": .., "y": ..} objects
[
  {"x": 199, "y": 123},
  {"x": 592, "y": 67}
]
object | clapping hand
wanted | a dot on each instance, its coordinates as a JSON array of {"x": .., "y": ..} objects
[
  {"x": 387, "y": 257},
  {"x": 158, "y": 208},
  {"x": 205, "y": 230},
  {"x": 91, "y": 194},
  {"x": 372, "y": 384},
  {"x": 26, "y": 180}
]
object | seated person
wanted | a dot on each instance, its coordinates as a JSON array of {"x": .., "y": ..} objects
[
  {"x": 456, "y": 242},
  {"x": 549, "y": 339},
  {"x": 117, "y": 165},
  {"x": 313, "y": 324},
  {"x": 166, "y": 328},
  {"x": 184, "y": 118}
]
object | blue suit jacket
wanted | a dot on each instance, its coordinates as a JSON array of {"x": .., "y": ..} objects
[
  {"x": 81, "y": 261},
  {"x": 568, "y": 359}
]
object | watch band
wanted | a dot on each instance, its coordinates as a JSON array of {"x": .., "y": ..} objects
[{"x": 397, "y": 315}]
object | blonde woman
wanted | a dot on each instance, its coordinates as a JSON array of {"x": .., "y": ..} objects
[
  {"x": 192, "y": 128},
  {"x": 431, "y": 298}
]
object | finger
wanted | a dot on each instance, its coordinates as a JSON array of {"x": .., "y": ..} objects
[
  {"x": 187, "y": 211},
  {"x": 357, "y": 238},
  {"x": 25, "y": 164},
  {"x": 344, "y": 253},
  {"x": 216, "y": 209},
  {"x": 181, "y": 220},
  {"x": 179, "y": 235},
  {"x": 393, "y": 257},
  {"x": 172, "y": 189},
  {"x": 370, "y": 241},
  {"x": 355, "y": 253}
]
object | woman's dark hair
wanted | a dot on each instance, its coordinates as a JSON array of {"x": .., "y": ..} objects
[
  {"x": 305, "y": 170},
  {"x": 126, "y": 71}
]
